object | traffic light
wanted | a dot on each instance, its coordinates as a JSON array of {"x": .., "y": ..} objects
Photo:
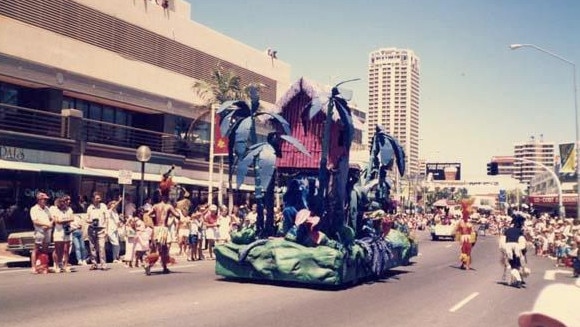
[{"x": 492, "y": 168}]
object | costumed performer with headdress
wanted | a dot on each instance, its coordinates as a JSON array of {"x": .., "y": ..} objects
[
  {"x": 161, "y": 237},
  {"x": 465, "y": 236}
]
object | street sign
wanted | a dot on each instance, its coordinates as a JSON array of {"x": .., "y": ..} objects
[
  {"x": 502, "y": 196},
  {"x": 125, "y": 177}
]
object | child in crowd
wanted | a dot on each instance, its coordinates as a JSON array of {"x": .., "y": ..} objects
[
  {"x": 130, "y": 236},
  {"x": 142, "y": 241},
  {"x": 561, "y": 249},
  {"x": 195, "y": 239}
]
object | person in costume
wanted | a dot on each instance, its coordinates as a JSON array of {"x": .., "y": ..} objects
[
  {"x": 161, "y": 237},
  {"x": 513, "y": 251},
  {"x": 464, "y": 233}
]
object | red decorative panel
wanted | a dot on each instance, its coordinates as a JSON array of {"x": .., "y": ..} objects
[{"x": 311, "y": 139}]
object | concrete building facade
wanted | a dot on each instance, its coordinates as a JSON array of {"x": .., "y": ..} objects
[
  {"x": 83, "y": 83},
  {"x": 394, "y": 89}
]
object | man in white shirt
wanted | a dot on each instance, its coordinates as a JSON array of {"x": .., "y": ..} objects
[
  {"x": 40, "y": 216},
  {"x": 97, "y": 220}
]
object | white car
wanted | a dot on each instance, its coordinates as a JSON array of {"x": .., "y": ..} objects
[{"x": 443, "y": 231}]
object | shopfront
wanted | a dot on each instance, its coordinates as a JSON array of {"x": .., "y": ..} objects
[{"x": 549, "y": 203}]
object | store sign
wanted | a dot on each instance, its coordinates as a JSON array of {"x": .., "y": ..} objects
[
  {"x": 444, "y": 171},
  {"x": 11, "y": 153},
  {"x": 552, "y": 199},
  {"x": 125, "y": 177},
  {"x": 53, "y": 194},
  {"x": 35, "y": 156}
]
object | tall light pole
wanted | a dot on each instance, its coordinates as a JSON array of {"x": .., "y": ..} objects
[
  {"x": 143, "y": 155},
  {"x": 517, "y": 46}
]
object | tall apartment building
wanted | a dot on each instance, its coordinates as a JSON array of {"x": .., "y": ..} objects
[
  {"x": 394, "y": 99},
  {"x": 535, "y": 150}
]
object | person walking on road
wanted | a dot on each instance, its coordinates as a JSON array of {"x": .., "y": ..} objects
[
  {"x": 465, "y": 232},
  {"x": 40, "y": 216},
  {"x": 97, "y": 220},
  {"x": 161, "y": 213},
  {"x": 513, "y": 248}
]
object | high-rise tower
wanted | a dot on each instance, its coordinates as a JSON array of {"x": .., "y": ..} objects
[
  {"x": 394, "y": 99},
  {"x": 535, "y": 150}
]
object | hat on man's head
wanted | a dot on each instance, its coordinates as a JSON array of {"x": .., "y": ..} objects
[
  {"x": 555, "y": 306},
  {"x": 42, "y": 195},
  {"x": 213, "y": 207}
]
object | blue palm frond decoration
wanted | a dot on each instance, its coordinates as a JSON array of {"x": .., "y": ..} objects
[
  {"x": 238, "y": 122},
  {"x": 385, "y": 150}
]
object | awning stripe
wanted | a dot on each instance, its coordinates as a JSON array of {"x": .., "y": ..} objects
[{"x": 40, "y": 167}]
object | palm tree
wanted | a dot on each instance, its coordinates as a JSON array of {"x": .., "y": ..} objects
[
  {"x": 333, "y": 197},
  {"x": 239, "y": 124},
  {"x": 224, "y": 86}
]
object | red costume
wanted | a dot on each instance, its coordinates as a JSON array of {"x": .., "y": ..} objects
[{"x": 465, "y": 234}]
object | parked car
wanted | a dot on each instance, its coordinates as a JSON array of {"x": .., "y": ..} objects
[{"x": 22, "y": 243}]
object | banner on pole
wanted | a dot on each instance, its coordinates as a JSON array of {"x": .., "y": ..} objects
[
  {"x": 567, "y": 158},
  {"x": 220, "y": 146}
]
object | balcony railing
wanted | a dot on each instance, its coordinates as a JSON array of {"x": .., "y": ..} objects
[
  {"x": 31, "y": 121},
  {"x": 41, "y": 123}
]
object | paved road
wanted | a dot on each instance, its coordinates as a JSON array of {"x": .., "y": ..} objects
[{"x": 430, "y": 292}]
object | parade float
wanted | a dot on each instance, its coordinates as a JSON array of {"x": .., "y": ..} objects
[{"x": 335, "y": 229}]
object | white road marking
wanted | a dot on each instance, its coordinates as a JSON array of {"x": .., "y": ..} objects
[
  {"x": 448, "y": 245},
  {"x": 464, "y": 302},
  {"x": 551, "y": 274}
]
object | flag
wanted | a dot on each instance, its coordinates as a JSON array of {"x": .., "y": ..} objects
[
  {"x": 220, "y": 146},
  {"x": 567, "y": 158}
]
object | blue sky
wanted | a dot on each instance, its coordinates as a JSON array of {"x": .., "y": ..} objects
[{"x": 478, "y": 97}]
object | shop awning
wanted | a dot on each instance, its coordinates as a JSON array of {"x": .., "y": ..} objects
[
  {"x": 14, "y": 165},
  {"x": 136, "y": 176},
  {"x": 39, "y": 167}
]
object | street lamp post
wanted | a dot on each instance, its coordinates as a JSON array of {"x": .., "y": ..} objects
[
  {"x": 517, "y": 46},
  {"x": 561, "y": 211},
  {"x": 143, "y": 155}
]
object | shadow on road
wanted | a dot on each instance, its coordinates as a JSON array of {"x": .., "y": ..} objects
[{"x": 389, "y": 275}]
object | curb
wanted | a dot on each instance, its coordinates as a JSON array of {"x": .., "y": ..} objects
[{"x": 6, "y": 262}]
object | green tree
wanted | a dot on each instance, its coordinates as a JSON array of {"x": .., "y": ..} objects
[{"x": 224, "y": 86}]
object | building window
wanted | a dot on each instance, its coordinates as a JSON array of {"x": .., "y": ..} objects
[{"x": 9, "y": 94}]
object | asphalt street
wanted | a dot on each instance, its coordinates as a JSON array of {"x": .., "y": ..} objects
[{"x": 432, "y": 291}]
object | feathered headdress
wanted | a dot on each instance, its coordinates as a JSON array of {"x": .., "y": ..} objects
[
  {"x": 466, "y": 208},
  {"x": 166, "y": 182}
]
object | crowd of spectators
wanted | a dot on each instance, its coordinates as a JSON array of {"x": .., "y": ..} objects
[{"x": 86, "y": 235}]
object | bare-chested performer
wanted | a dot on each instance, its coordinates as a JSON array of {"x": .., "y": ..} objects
[{"x": 161, "y": 238}]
